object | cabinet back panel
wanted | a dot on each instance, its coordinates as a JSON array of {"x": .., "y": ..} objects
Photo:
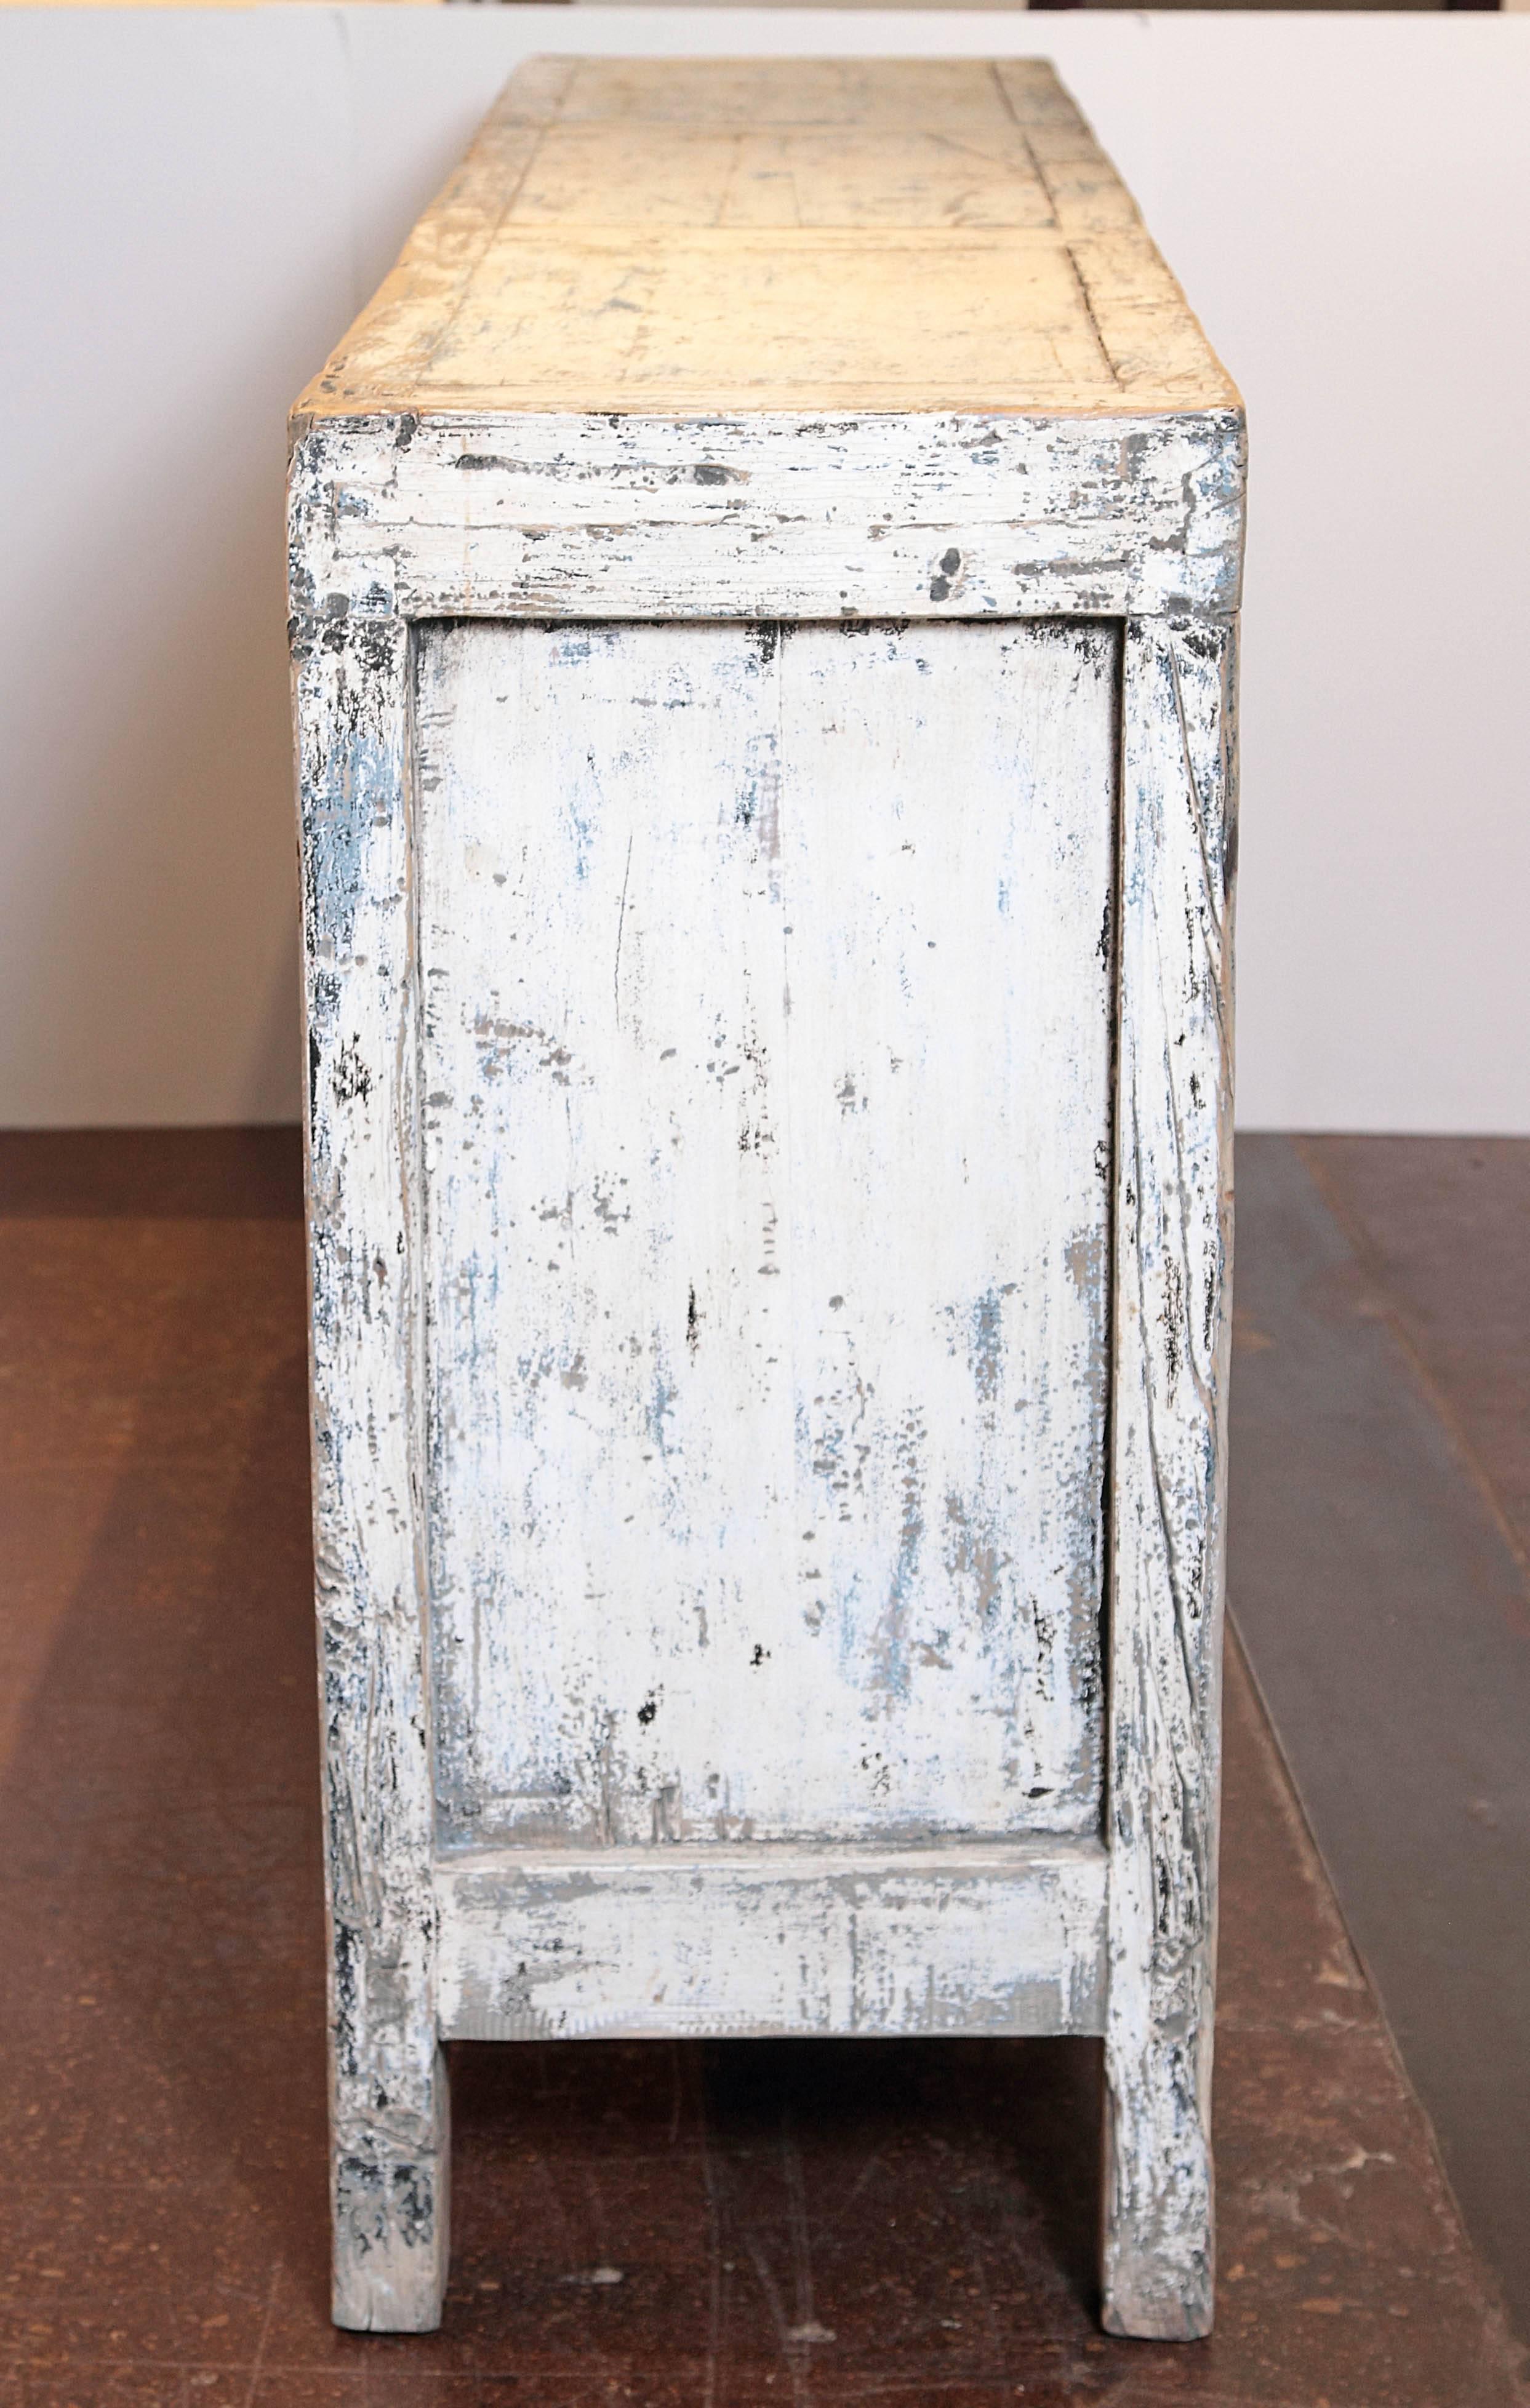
[{"x": 767, "y": 980}]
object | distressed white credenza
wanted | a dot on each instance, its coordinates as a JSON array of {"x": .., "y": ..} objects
[{"x": 764, "y": 576}]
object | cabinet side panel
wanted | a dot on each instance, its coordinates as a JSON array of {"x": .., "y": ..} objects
[{"x": 767, "y": 982}]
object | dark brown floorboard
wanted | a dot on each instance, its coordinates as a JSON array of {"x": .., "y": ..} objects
[
  {"x": 1441, "y": 1230},
  {"x": 1381, "y": 1473},
  {"x": 930, "y": 2205},
  {"x": 160, "y": 1174}
]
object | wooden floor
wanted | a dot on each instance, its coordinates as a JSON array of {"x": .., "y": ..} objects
[
  {"x": 1380, "y": 1574},
  {"x": 732, "y": 2224}
]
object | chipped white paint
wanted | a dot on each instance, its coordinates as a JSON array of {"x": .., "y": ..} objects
[
  {"x": 745, "y": 958},
  {"x": 788, "y": 516},
  {"x": 572, "y": 1943},
  {"x": 770, "y": 1098},
  {"x": 1174, "y": 1196},
  {"x": 388, "y": 2084}
]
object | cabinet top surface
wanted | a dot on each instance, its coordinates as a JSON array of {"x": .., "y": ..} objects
[{"x": 698, "y": 237}]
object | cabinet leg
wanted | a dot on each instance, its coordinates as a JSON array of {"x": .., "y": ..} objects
[
  {"x": 1168, "y": 1403},
  {"x": 1158, "y": 2259},
  {"x": 392, "y": 2209}
]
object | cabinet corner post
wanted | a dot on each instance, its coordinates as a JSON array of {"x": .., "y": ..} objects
[{"x": 1172, "y": 1321}]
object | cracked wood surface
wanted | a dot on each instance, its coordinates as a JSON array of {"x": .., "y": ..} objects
[{"x": 782, "y": 236}]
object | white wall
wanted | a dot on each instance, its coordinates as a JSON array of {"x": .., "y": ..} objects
[{"x": 196, "y": 202}]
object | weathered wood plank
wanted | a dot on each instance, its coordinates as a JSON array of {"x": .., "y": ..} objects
[
  {"x": 749, "y": 955},
  {"x": 925, "y": 517},
  {"x": 579, "y": 1943},
  {"x": 388, "y": 2084},
  {"x": 1170, "y": 1403}
]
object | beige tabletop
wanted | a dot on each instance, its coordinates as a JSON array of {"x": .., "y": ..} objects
[{"x": 778, "y": 236}]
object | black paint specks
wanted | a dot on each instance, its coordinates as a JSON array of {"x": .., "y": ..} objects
[{"x": 353, "y": 1078}]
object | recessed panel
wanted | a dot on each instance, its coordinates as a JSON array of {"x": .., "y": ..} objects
[{"x": 767, "y": 982}]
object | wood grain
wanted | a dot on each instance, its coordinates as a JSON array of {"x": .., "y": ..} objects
[
  {"x": 1169, "y": 1473},
  {"x": 564, "y": 1944},
  {"x": 779, "y": 234},
  {"x": 529, "y": 514},
  {"x": 389, "y": 2110}
]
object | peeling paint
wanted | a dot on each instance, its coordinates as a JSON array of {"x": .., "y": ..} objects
[
  {"x": 710, "y": 1399},
  {"x": 558, "y": 1946}
]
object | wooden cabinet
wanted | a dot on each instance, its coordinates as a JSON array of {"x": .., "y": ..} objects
[{"x": 764, "y": 582}]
